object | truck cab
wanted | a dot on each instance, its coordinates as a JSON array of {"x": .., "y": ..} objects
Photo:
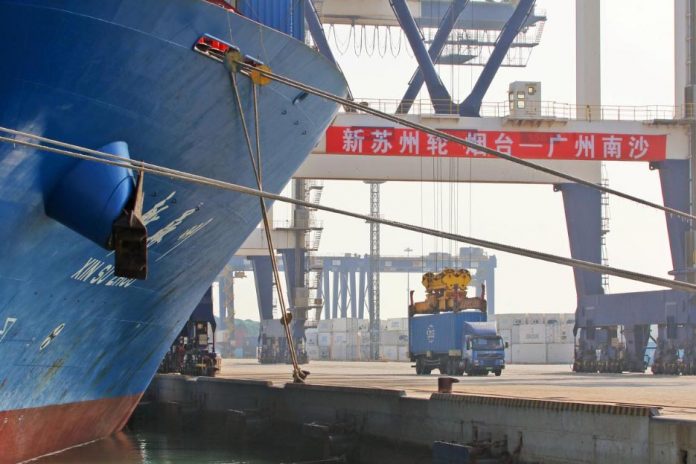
[{"x": 482, "y": 352}]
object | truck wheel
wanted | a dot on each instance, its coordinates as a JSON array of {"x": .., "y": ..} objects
[
  {"x": 451, "y": 368},
  {"x": 498, "y": 372},
  {"x": 424, "y": 368},
  {"x": 419, "y": 366}
]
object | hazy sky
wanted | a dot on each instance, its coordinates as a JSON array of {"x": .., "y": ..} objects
[{"x": 637, "y": 68}]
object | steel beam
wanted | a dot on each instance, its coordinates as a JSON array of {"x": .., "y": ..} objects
[
  {"x": 344, "y": 294},
  {"x": 327, "y": 294},
  {"x": 353, "y": 292},
  {"x": 471, "y": 106},
  {"x": 443, "y": 31},
  {"x": 440, "y": 97},
  {"x": 584, "y": 222},
  {"x": 674, "y": 178},
  {"x": 636, "y": 308},
  {"x": 334, "y": 296},
  {"x": 361, "y": 295},
  {"x": 263, "y": 278},
  {"x": 317, "y": 31}
]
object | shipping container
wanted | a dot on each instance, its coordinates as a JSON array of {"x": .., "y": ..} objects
[
  {"x": 284, "y": 15},
  {"x": 515, "y": 334},
  {"x": 324, "y": 352},
  {"x": 560, "y": 353},
  {"x": 393, "y": 338},
  {"x": 324, "y": 339},
  {"x": 312, "y": 337},
  {"x": 313, "y": 353},
  {"x": 402, "y": 352},
  {"x": 339, "y": 325},
  {"x": 532, "y": 333},
  {"x": 389, "y": 352},
  {"x": 397, "y": 325},
  {"x": 559, "y": 333},
  {"x": 506, "y": 334},
  {"x": 504, "y": 321},
  {"x": 339, "y": 338},
  {"x": 528, "y": 353},
  {"x": 325, "y": 325},
  {"x": 441, "y": 332},
  {"x": 345, "y": 352}
]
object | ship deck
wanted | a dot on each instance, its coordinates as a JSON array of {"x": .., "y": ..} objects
[{"x": 673, "y": 394}]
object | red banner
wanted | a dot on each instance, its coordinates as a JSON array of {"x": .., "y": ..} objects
[{"x": 382, "y": 141}]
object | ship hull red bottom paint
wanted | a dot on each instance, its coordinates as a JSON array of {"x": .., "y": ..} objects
[{"x": 27, "y": 433}]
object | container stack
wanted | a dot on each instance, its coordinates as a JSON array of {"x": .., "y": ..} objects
[
  {"x": 393, "y": 340},
  {"x": 349, "y": 340},
  {"x": 339, "y": 340},
  {"x": 537, "y": 338}
]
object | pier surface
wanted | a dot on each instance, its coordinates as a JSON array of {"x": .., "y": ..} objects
[{"x": 674, "y": 394}]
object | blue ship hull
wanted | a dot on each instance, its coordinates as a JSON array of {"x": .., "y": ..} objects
[{"x": 79, "y": 345}]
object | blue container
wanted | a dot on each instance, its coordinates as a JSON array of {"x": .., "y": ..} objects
[
  {"x": 283, "y": 15},
  {"x": 439, "y": 333}
]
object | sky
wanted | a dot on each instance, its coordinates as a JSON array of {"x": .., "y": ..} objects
[{"x": 637, "y": 69}]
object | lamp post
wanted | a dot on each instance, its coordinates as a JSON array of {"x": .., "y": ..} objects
[{"x": 408, "y": 251}]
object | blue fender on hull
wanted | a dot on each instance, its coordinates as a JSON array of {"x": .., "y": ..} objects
[{"x": 92, "y": 195}]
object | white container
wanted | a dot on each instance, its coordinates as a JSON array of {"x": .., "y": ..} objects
[
  {"x": 403, "y": 339},
  {"x": 339, "y": 338},
  {"x": 324, "y": 325},
  {"x": 312, "y": 337},
  {"x": 389, "y": 352},
  {"x": 389, "y": 338},
  {"x": 339, "y": 325},
  {"x": 324, "y": 339},
  {"x": 532, "y": 333},
  {"x": 324, "y": 353},
  {"x": 560, "y": 353},
  {"x": 398, "y": 325},
  {"x": 363, "y": 325},
  {"x": 383, "y": 325},
  {"x": 344, "y": 325},
  {"x": 338, "y": 352},
  {"x": 559, "y": 333},
  {"x": 313, "y": 352},
  {"x": 506, "y": 334},
  {"x": 515, "y": 334},
  {"x": 504, "y": 321},
  {"x": 402, "y": 352},
  {"x": 529, "y": 353}
]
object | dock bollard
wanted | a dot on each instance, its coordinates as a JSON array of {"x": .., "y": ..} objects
[{"x": 444, "y": 384}]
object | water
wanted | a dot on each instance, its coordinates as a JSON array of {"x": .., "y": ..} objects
[{"x": 150, "y": 447}]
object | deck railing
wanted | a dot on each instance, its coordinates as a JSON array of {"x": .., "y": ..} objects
[{"x": 551, "y": 110}]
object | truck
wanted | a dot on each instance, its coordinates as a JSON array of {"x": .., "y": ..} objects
[
  {"x": 455, "y": 343},
  {"x": 449, "y": 331},
  {"x": 193, "y": 350}
]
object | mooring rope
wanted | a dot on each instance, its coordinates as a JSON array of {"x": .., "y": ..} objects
[{"x": 141, "y": 166}]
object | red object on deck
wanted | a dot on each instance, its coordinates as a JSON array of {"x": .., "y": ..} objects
[
  {"x": 34, "y": 432},
  {"x": 223, "y": 4}
]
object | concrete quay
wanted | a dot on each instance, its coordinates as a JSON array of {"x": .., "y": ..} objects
[{"x": 545, "y": 413}]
